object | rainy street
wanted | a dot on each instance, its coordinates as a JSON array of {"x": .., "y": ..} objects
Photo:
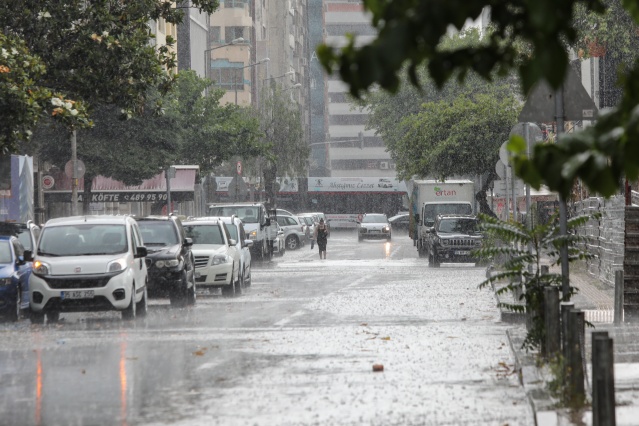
[{"x": 297, "y": 348}]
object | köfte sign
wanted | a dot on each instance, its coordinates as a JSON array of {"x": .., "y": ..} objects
[{"x": 123, "y": 197}]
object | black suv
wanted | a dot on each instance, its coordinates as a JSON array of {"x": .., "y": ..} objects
[
  {"x": 452, "y": 238},
  {"x": 169, "y": 259}
]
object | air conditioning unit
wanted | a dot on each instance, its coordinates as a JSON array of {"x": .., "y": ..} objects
[
  {"x": 383, "y": 165},
  {"x": 393, "y": 166}
]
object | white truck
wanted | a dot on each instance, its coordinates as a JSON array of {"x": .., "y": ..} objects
[{"x": 430, "y": 198}]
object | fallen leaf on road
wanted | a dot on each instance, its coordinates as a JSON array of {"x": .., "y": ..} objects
[
  {"x": 386, "y": 338},
  {"x": 200, "y": 352},
  {"x": 378, "y": 367},
  {"x": 364, "y": 324}
]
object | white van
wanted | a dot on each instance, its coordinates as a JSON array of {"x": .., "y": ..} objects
[{"x": 88, "y": 263}]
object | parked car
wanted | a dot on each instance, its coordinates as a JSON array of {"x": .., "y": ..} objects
[
  {"x": 279, "y": 245},
  {"x": 294, "y": 233},
  {"x": 452, "y": 239},
  {"x": 399, "y": 222},
  {"x": 217, "y": 258},
  {"x": 14, "y": 278},
  {"x": 28, "y": 233},
  {"x": 243, "y": 244},
  {"x": 373, "y": 225},
  {"x": 88, "y": 263},
  {"x": 255, "y": 218},
  {"x": 171, "y": 262},
  {"x": 283, "y": 212}
]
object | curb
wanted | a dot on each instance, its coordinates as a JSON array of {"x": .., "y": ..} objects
[{"x": 541, "y": 402}]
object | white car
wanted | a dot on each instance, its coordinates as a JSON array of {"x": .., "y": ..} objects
[
  {"x": 242, "y": 243},
  {"x": 373, "y": 225},
  {"x": 88, "y": 263},
  {"x": 217, "y": 259}
]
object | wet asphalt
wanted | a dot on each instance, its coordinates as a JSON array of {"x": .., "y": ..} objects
[{"x": 297, "y": 348}]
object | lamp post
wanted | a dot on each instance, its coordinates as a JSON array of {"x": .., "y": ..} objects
[
  {"x": 206, "y": 67},
  {"x": 241, "y": 68}
]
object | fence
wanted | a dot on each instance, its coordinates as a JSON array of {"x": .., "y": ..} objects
[{"x": 604, "y": 236}]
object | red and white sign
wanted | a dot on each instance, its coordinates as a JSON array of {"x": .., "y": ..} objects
[
  {"x": 47, "y": 182},
  {"x": 239, "y": 168}
]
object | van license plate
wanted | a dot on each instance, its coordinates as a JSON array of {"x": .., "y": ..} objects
[
  {"x": 79, "y": 294},
  {"x": 462, "y": 252}
]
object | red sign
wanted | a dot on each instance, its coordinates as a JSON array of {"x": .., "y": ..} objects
[
  {"x": 47, "y": 182},
  {"x": 239, "y": 167}
]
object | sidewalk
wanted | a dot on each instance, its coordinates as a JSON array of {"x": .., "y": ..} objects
[{"x": 596, "y": 300}]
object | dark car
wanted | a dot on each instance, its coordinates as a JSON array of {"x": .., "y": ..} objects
[
  {"x": 169, "y": 259},
  {"x": 452, "y": 239},
  {"x": 400, "y": 222},
  {"x": 14, "y": 278},
  {"x": 28, "y": 233}
]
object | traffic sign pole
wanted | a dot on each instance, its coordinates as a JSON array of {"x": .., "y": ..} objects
[
  {"x": 74, "y": 175},
  {"x": 563, "y": 210}
]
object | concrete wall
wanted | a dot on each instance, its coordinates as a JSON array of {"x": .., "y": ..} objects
[{"x": 605, "y": 236}]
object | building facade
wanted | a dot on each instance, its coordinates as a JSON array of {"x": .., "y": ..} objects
[{"x": 192, "y": 40}]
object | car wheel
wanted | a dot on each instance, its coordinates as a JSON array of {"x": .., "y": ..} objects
[
  {"x": 247, "y": 281},
  {"x": 422, "y": 252},
  {"x": 36, "y": 317},
  {"x": 16, "y": 314},
  {"x": 178, "y": 295},
  {"x": 238, "y": 285},
  {"x": 229, "y": 290},
  {"x": 191, "y": 294},
  {"x": 142, "y": 307},
  {"x": 129, "y": 312},
  {"x": 53, "y": 317},
  {"x": 292, "y": 242}
]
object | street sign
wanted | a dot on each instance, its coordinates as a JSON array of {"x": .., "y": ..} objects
[
  {"x": 47, "y": 182},
  {"x": 499, "y": 168},
  {"x": 500, "y": 189},
  {"x": 68, "y": 169},
  {"x": 534, "y": 133},
  {"x": 540, "y": 103},
  {"x": 504, "y": 155},
  {"x": 238, "y": 166}
]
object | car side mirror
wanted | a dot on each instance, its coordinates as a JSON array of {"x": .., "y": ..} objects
[
  {"x": 431, "y": 229},
  {"x": 416, "y": 218},
  {"x": 232, "y": 242},
  {"x": 141, "y": 252},
  {"x": 268, "y": 222},
  {"x": 188, "y": 242},
  {"x": 248, "y": 243},
  {"x": 27, "y": 256}
]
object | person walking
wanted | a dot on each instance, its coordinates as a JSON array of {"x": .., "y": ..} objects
[{"x": 321, "y": 237}]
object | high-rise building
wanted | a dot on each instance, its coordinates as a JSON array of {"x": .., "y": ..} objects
[
  {"x": 351, "y": 149},
  {"x": 192, "y": 39}
]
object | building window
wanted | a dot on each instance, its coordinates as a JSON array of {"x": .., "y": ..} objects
[
  {"x": 228, "y": 75},
  {"x": 232, "y": 33},
  {"x": 216, "y": 34},
  {"x": 235, "y": 3},
  {"x": 162, "y": 26}
]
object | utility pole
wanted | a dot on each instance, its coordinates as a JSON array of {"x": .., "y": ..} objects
[
  {"x": 74, "y": 175},
  {"x": 563, "y": 209}
]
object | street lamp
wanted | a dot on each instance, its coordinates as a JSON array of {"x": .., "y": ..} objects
[
  {"x": 279, "y": 76},
  {"x": 206, "y": 67},
  {"x": 241, "y": 68}
]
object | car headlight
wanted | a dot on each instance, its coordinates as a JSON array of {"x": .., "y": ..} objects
[
  {"x": 118, "y": 265},
  {"x": 159, "y": 264},
  {"x": 386, "y": 229},
  {"x": 478, "y": 243},
  {"x": 362, "y": 230},
  {"x": 172, "y": 263},
  {"x": 445, "y": 242},
  {"x": 252, "y": 235},
  {"x": 5, "y": 282},
  {"x": 219, "y": 259},
  {"x": 40, "y": 268}
]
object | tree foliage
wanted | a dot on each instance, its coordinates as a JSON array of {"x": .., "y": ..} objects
[
  {"x": 89, "y": 52},
  {"x": 409, "y": 33},
  {"x": 511, "y": 258},
  {"x": 453, "y": 130},
  {"x": 283, "y": 138}
]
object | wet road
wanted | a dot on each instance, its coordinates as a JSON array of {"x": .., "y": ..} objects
[{"x": 296, "y": 349}]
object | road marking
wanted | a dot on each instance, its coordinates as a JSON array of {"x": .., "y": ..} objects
[{"x": 283, "y": 322}]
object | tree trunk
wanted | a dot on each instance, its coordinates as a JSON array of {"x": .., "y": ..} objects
[
  {"x": 86, "y": 195},
  {"x": 270, "y": 173},
  {"x": 481, "y": 196}
]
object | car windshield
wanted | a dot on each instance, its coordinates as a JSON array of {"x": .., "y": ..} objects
[
  {"x": 5, "y": 252},
  {"x": 374, "y": 218},
  {"x": 82, "y": 239},
  {"x": 431, "y": 211},
  {"x": 204, "y": 234},
  {"x": 158, "y": 233},
  {"x": 17, "y": 230},
  {"x": 233, "y": 231},
  {"x": 248, "y": 214},
  {"x": 463, "y": 226}
]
